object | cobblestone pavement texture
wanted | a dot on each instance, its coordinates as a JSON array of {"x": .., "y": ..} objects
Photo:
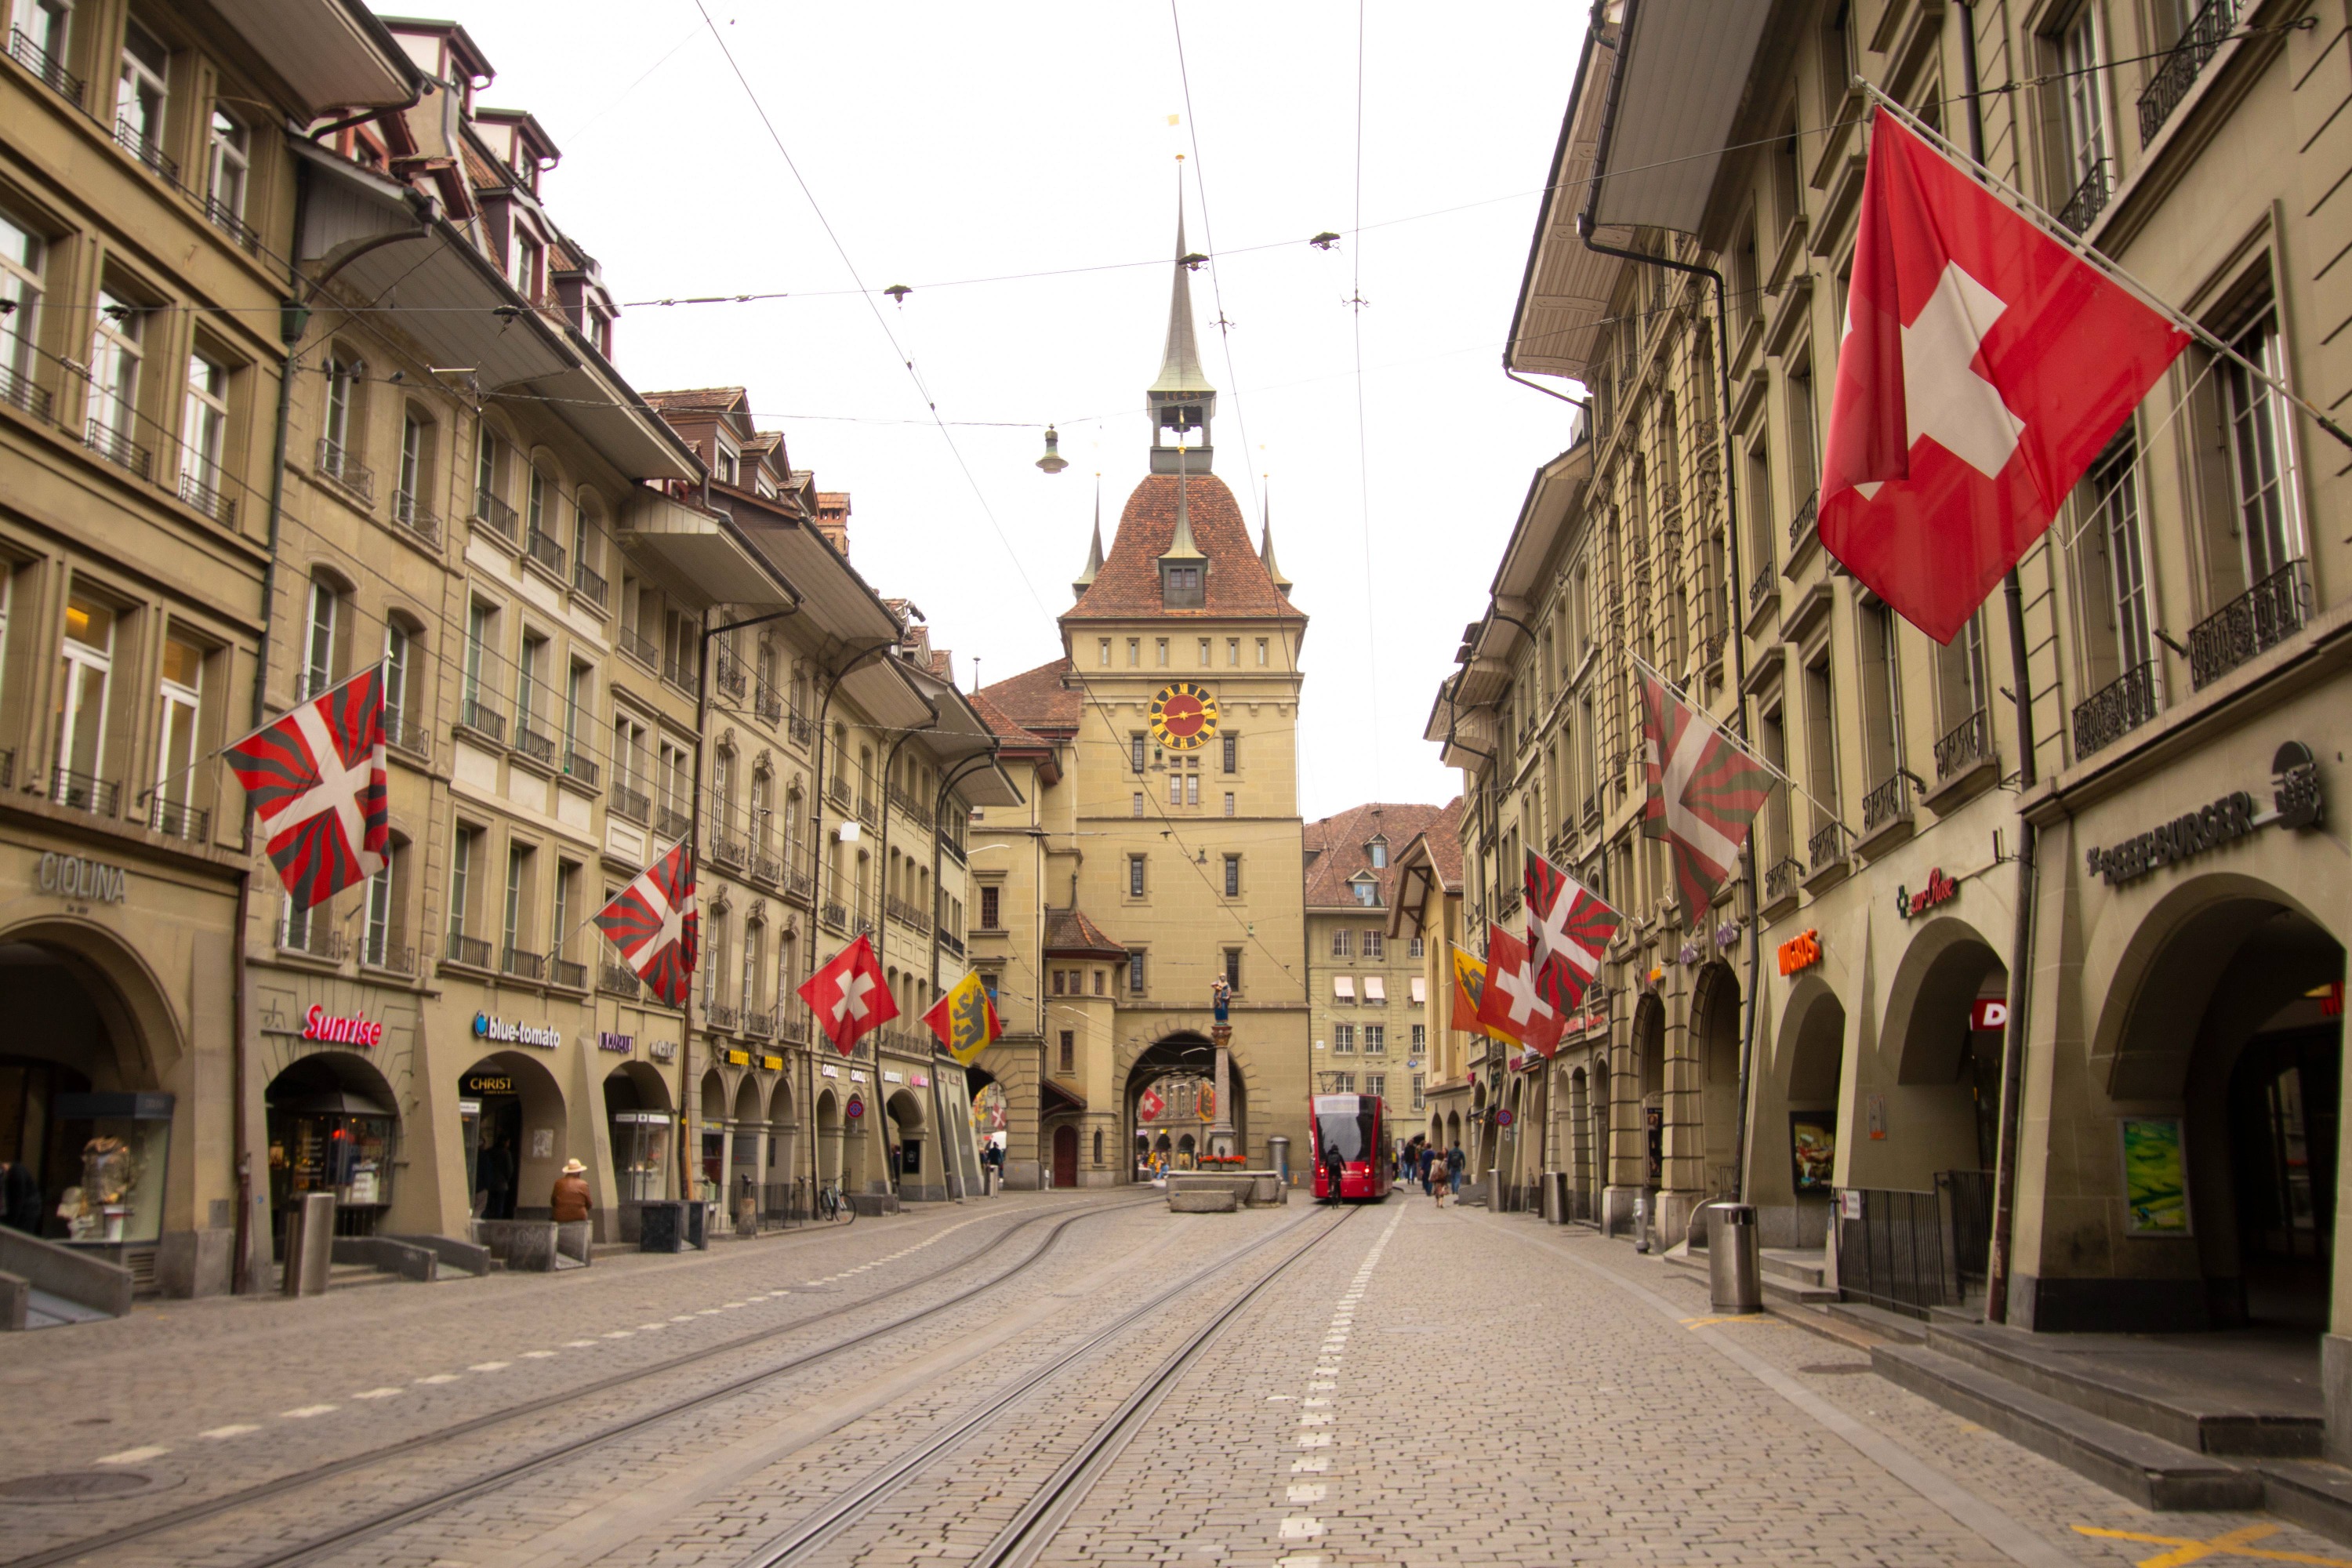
[{"x": 1420, "y": 1386}]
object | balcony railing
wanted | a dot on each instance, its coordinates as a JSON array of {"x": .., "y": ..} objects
[
  {"x": 2090, "y": 197},
  {"x": 468, "y": 952},
  {"x": 218, "y": 213},
  {"x": 146, "y": 149},
  {"x": 639, "y": 646},
  {"x": 177, "y": 819},
  {"x": 801, "y": 730},
  {"x": 769, "y": 702},
  {"x": 1801, "y": 526},
  {"x": 564, "y": 972},
  {"x": 722, "y": 1014},
  {"x": 539, "y": 748},
  {"x": 544, "y": 550},
  {"x": 861, "y": 925},
  {"x": 319, "y": 938},
  {"x": 1759, "y": 587},
  {"x": 767, "y": 868},
  {"x": 500, "y": 518},
  {"x": 580, "y": 769},
  {"x": 798, "y": 883},
  {"x": 207, "y": 500},
  {"x": 906, "y": 802},
  {"x": 629, "y": 803},
  {"x": 907, "y": 915},
  {"x": 2265, "y": 615},
  {"x": 403, "y": 735},
  {"x": 589, "y": 584},
  {"x": 730, "y": 672},
  {"x": 20, "y": 392},
  {"x": 482, "y": 719},
  {"x": 387, "y": 953},
  {"x": 1781, "y": 880},
  {"x": 1969, "y": 743},
  {"x": 671, "y": 823},
  {"x": 2115, "y": 709},
  {"x": 336, "y": 463},
  {"x": 52, "y": 72},
  {"x": 951, "y": 944},
  {"x": 83, "y": 792},
  {"x": 834, "y": 917},
  {"x": 2200, "y": 41},
  {"x": 1827, "y": 846},
  {"x": 759, "y": 1023},
  {"x": 836, "y": 790},
  {"x": 419, "y": 520},
  {"x": 732, "y": 853},
  {"x": 618, "y": 979},
  {"x": 679, "y": 672},
  {"x": 952, "y": 840},
  {"x": 523, "y": 964},
  {"x": 118, "y": 449},
  {"x": 1887, "y": 802},
  {"x": 866, "y": 812}
]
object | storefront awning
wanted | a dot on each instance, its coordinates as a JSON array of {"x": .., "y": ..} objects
[
  {"x": 329, "y": 1102},
  {"x": 1343, "y": 986},
  {"x": 1376, "y": 988},
  {"x": 1420, "y": 991}
]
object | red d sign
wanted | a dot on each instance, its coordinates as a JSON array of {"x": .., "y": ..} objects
[{"x": 1989, "y": 1013}]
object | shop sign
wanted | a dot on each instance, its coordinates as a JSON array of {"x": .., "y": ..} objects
[
  {"x": 1691, "y": 952},
  {"x": 920, "y": 1081},
  {"x": 475, "y": 1085},
  {"x": 79, "y": 877},
  {"x": 663, "y": 1050},
  {"x": 773, "y": 1063},
  {"x": 2295, "y": 803},
  {"x": 857, "y": 1077},
  {"x": 608, "y": 1041},
  {"x": 830, "y": 1070},
  {"x": 892, "y": 1077},
  {"x": 508, "y": 1032},
  {"x": 1801, "y": 951},
  {"x": 1940, "y": 889},
  {"x": 1726, "y": 936},
  {"x": 738, "y": 1058},
  {"x": 317, "y": 1023},
  {"x": 1989, "y": 1013}
]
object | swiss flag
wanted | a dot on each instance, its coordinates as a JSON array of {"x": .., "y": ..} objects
[
  {"x": 848, "y": 998},
  {"x": 1149, "y": 1107},
  {"x": 1984, "y": 365},
  {"x": 1513, "y": 1005}
]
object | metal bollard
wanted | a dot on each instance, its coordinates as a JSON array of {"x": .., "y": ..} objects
[
  {"x": 1277, "y": 1154},
  {"x": 1554, "y": 1197},
  {"x": 310, "y": 1245},
  {"x": 1735, "y": 1270}
]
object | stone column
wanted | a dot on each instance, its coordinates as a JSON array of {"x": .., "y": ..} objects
[{"x": 1221, "y": 1131}]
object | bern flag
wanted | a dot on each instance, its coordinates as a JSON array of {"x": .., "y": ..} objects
[
  {"x": 653, "y": 924},
  {"x": 316, "y": 780}
]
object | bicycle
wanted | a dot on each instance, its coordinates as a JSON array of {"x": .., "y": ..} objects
[{"x": 833, "y": 1207}]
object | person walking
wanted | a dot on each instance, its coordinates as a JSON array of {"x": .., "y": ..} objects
[
  {"x": 494, "y": 1177},
  {"x": 1335, "y": 1171},
  {"x": 570, "y": 1201},
  {"x": 1455, "y": 1163},
  {"x": 1432, "y": 1176}
]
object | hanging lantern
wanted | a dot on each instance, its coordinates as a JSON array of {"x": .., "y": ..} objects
[{"x": 1053, "y": 462}]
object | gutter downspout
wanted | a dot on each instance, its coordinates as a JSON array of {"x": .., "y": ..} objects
[
  {"x": 293, "y": 318},
  {"x": 2021, "y": 961},
  {"x": 1734, "y": 635}
]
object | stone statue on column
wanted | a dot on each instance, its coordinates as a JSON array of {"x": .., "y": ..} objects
[{"x": 1221, "y": 1131}]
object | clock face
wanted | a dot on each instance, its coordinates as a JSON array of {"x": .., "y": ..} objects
[{"x": 1183, "y": 716}]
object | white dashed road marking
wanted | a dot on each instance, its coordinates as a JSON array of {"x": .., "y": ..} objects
[{"x": 131, "y": 1456}]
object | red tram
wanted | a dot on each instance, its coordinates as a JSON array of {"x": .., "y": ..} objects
[{"x": 1353, "y": 1130}]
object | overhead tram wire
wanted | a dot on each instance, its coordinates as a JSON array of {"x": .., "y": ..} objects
[
  {"x": 1208, "y": 234},
  {"x": 1364, "y": 465}
]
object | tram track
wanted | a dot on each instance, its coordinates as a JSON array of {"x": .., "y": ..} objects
[
  {"x": 1033, "y": 1529},
  {"x": 505, "y": 1474}
]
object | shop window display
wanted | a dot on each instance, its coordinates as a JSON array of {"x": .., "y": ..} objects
[{"x": 125, "y": 1142}]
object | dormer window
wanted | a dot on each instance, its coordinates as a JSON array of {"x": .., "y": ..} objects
[
  {"x": 1182, "y": 588},
  {"x": 1379, "y": 851},
  {"x": 1367, "y": 892}
]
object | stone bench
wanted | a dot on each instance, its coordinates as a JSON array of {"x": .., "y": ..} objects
[{"x": 1203, "y": 1200}]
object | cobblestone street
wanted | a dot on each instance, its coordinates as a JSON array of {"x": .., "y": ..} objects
[{"x": 900, "y": 1392}]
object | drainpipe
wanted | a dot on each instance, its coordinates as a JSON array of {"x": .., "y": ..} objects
[
  {"x": 1732, "y": 635},
  {"x": 2021, "y": 961}
]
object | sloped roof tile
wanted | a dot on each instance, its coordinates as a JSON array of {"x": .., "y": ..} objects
[
  {"x": 1070, "y": 935},
  {"x": 1342, "y": 837},
  {"x": 1039, "y": 698},
  {"x": 1128, "y": 586}
]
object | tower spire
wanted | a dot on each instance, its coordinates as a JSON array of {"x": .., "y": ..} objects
[
  {"x": 1265, "y": 544},
  {"x": 1086, "y": 579},
  {"x": 1181, "y": 399}
]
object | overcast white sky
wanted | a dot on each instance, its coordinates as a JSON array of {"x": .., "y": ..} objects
[{"x": 948, "y": 142}]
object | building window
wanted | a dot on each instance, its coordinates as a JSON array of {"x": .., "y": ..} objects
[
  {"x": 1102, "y": 647},
  {"x": 318, "y": 642},
  {"x": 1376, "y": 1040},
  {"x": 1135, "y": 875},
  {"x": 1138, "y": 803},
  {"x": 21, "y": 256},
  {"x": 1135, "y": 974},
  {"x": 117, "y": 346},
  {"x": 1343, "y": 1038},
  {"x": 143, "y": 95},
  {"x": 1232, "y": 653},
  {"x": 1232, "y": 755},
  {"x": 231, "y": 156},
  {"x": 1180, "y": 592},
  {"x": 1058, "y": 989},
  {"x": 559, "y": 929},
  {"x": 1234, "y": 968},
  {"x": 515, "y": 926},
  {"x": 1343, "y": 942},
  {"x": 1420, "y": 1038},
  {"x": 2082, "y": 117},
  {"x": 463, "y": 854},
  {"x": 1134, "y": 653},
  {"x": 1233, "y": 876},
  {"x": 1261, "y": 653},
  {"x": 1379, "y": 851},
  {"x": 1417, "y": 1081},
  {"x": 175, "y": 761},
  {"x": 1343, "y": 1083},
  {"x": 204, "y": 434},
  {"x": 1229, "y": 802},
  {"x": 1373, "y": 942},
  {"x": 2261, "y": 464},
  {"x": 376, "y": 941},
  {"x": 1417, "y": 949},
  {"x": 1376, "y": 1084},
  {"x": 1367, "y": 894},
  {"x": 1101, "y": 983},
  {"x": 1175, "y": 788},
  {"x": 1135, "y": 754},
  {"x": 990, "y": 908}
]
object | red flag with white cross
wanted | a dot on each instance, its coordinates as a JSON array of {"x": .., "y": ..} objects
[
  {"x": 848, "y": 998},
  {"x": 316, "y": 781},
  {"x": 1512, "y": 1003},
  {"x": 1567, "y": 929},
  {"x": 1984, "y": 366}
]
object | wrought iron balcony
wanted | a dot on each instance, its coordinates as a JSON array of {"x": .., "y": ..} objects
[
  {"x": 836, "y": 790},
  {"x": 1801, "y": 526},
  {"x": 906, "y": 913},
  {"x": 337, "y": 463},
  {"x": 52, "y": 71},
  {"x": 861, "y": 925},
  {"x": 906, "y": 802},
  {"x": 671, "y": 823},
  {"x": 544, "y": 550},
  {"x": 523, "y": 964},
  {"x": 118, "y": 449},
  {"x": 834, "y": 915},
  {"x": 146, "y": 149},
  {"x": 767, "y": 868},
  {"x": 1968, "y": 742},
  {"x": 384, "y": 951},
  {"x": 319, "y": 938},
  {"x": 478, "y": 716},
  {"x": 589, "y": 584},
  {"x": 681, "y": 672},
  {"x": 951, "y": 944},
  {"x": 20, "y": 392},
  {"x": 730, "y": 672},
  {"x": 793, "y": 1022},
  {"x": 1781, "y": 880},
  {"x": 1827, "y": 846},
  {"x": 207, "y": 500},
  {"x": 2261, "y": 618},
  {"x": 539, "y": 748},
  {"x": 2207, "y": 31},
  {"x": 617, "y": 979},
  {"x": 2115, "y": 709},
  {"x": 798, "y": 883},
  {"x": 581, "y": 769},
  {"x": 622, "y": 801},
  {"x": 177, "y": 819},
  {"x": 639, "y": 646},
  {"x": 84, "y": 792},
  {"x": 564, "y": 972},
  {"x": 497, "y": 516},
  {"x": 722, "y": 1014},
  {"x": 1886, "y": 802},
  {"x": 759, "y": 1023},
  {"x": 732, "y": 853},
  {"x": 218, "y": 214},
  {"x": 868, "y": 812},
  {"x": 416, "y": 519},
  {"x": 404, "y": 735},
  {"x": 769, "y": 703},
  {"x": 803, "y": 730},
  {"x": 1759, "y": 587},
  {"x": 467, "y": 952},
  {"x": 2090, "y": 197}
]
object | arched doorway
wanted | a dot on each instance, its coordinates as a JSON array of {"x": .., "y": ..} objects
[
  {"x": 783, "y": 1146},
  {"x": 711, "y": 1102},
  {"x": 511, "y": 1111},
  {"x": 333, "y": 1128},
  {"x": 856, "y": 1136},
  {"x": 1604, "y": 1151},
  {"x": 909, "y": 1131},
  {"x": 1582, "y": 1185},
  {"x": 637, "y": 1109},
  {"x": 1714, "y": 1042},
  {"x": 1650, "y": 1079},
  {"x": 1188, "y": 1054},
  {"x": 1805, "y": 1166},
  {"x": 747, "y": 1129},
  {"x": 1944, "y": 1113},
  {"x": 2224, "y": 1046},
  {"x": 828, "y": 1137},
  {"x": 1066, "y": 1155}
]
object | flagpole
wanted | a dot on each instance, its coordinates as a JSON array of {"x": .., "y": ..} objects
[
  {"x": 2080, "y": 248},
  {"x": 1700, "y": 714}
]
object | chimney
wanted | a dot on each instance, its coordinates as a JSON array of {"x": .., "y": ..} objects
[{"x": 833, "y": 518}]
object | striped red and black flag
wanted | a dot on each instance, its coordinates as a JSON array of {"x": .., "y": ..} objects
[
  {"x": 316, "y": 781},
  {"x": 653, "y": 924},
  {"x": 1568, "y": 931},
  {"x": 1706, "y": 789}
]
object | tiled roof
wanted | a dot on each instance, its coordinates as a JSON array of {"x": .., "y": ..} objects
[
  {"x": 1129, "y": 584},
  {"x": 1039, "y": 698},
  {"x": 699, "y": 400},
  {"x": 1446, "y": 846},
  {"x": 1014, "y": 733},
  {"x": 1342, "y": 838},
  {"x": 1068, "y": 933}
]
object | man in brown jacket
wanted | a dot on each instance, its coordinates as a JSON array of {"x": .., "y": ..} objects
[{"x": 571, "y": 1197}]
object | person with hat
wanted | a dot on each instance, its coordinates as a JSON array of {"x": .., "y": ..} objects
[{"x": 570, "y": 1199}]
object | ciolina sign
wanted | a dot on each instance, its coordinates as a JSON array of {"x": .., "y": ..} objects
[
  {"x": 78, "y": 877},
  {"x": 509, "y": 1032}
]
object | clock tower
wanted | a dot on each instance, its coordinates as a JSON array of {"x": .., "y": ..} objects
[{"x": 1167, "y": 824}]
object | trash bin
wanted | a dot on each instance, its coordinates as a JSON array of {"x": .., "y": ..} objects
[
  {"x": 1735, "y": 1272},
  {"x": 1277, "y": 1155},
  {"x": 1554, "y": 1197},
  {"x": 310, "y": 1245}
]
